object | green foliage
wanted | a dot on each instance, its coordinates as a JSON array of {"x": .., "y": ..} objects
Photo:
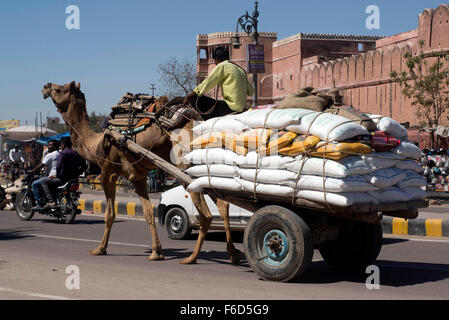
[
  {"x": 426, "y": 83},
  {"x": 95, "y": 121}
]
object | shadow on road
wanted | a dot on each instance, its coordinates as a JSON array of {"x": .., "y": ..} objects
[
  {"x": 392, "y": 274},
  {"x": 212, "y": 256},
  {"x": 386, "y": 241},
  {"x": 219, "y": 236},
  {"x": 14, "y": 234},
  {"x": 51, "y": 220}
]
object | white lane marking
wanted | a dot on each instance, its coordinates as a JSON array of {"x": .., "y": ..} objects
[
  {"x": 88, "y": 240},
  {"x": 33, "y": 294},
  {"x": 387, "y": 236},
  {"x": 118, "y": 217}
]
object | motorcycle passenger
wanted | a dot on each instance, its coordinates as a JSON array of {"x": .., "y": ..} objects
[
  {"x": 50, "y": 161},
  {"x": 70, "y": 165}
]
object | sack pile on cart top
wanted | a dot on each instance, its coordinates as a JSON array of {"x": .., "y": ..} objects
[{"x": 298, "y": 152}]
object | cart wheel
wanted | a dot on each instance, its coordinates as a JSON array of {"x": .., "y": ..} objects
[
  {"x": 356, "y": 247},
  {"x": 278, "y": 244}
]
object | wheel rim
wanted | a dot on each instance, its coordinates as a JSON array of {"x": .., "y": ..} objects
[
  {"x": 176, "y": 223},
  {"x": 274, "y": 247},
  {"x": 24, "y": 205}
]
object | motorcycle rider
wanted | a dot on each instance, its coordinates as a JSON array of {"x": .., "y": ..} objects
[
  {"x": 69, "y": 166},
  {"x": 50, "y": 161}
]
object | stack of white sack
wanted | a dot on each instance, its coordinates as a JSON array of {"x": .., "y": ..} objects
[{"x": 379, "y": 177}]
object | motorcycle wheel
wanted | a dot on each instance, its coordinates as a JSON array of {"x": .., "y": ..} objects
[
  {"x": 23, "y": 205},
  {"x": 70, "y": 214},
  {"x": 2, "y": 195}
]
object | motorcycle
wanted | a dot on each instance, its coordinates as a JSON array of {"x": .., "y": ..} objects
[{"x": 65, "y": 209}]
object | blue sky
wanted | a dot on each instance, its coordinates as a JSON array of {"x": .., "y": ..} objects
[{"x": 121, "y": 43}]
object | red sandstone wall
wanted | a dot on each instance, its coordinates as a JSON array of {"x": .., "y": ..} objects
[{"x": 364, "y": 79}]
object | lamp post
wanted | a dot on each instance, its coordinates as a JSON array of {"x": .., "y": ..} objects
[{"x": 249, "y": 24}]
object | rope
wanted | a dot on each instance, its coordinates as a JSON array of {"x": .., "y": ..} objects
[
  {"x": 258, "y": 155},
  {"x": 71, "y": 125}
]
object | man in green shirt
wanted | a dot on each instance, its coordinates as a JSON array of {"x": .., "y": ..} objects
[{"x": 234, "y": 85}]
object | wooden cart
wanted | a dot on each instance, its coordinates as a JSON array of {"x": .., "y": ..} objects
[{"x": 280, "y": 237}]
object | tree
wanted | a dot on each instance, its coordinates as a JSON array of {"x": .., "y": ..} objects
[
  {"x": 178, "y": 78},
  {"x": 426, "y": 83}
]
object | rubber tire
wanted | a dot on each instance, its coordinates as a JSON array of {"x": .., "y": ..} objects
[
  {"x": 298, "y": 236},
  {"x": 70, "y": 218},
  {"x": 355, "y": 249},
  {"x": 24, "y": 216},
  {"x": 2, "y": 194},
  {"x": 184, "y": 232}
]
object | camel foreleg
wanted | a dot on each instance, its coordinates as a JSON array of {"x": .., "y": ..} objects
[
  {"x": 142, "y": 191},
  {"x": 109, "y": 215}
]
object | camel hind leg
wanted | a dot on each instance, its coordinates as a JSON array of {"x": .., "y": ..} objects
[
  {"x": 205, "y": 219},
  {"x": 109, "y": 215},
  {"x": 142, "y": 191},
  {"x": 223, "y": 209}
]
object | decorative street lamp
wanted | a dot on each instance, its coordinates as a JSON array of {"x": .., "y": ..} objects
[{"x": 249, "y": 25}]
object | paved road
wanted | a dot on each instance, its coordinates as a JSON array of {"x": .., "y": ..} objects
[{"x": 34, "y": 257}]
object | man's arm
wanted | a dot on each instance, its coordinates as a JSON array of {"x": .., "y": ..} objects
[
  {"x": 37, "y": 168},
  {"x": 211, "y": 81}
]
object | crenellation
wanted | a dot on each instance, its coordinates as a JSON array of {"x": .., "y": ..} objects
[{"x": 358, "y": 66}]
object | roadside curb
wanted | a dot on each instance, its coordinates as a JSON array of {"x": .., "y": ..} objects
[
  {"x": 396, "y": 226},
  {"x": 129, "y": 209},
  {"x": 416, "y": 227}
]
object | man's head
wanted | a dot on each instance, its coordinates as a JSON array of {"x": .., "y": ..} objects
[
  {"x": 53, "y": 145},
  {"x": 220, "y": 54},
  {"x": 16, "y": 147},
  {"x": 66, "y": 142}
]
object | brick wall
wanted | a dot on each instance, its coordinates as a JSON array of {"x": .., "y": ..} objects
[{"x": 358, "y": 66}]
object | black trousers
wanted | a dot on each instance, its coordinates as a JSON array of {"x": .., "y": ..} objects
[{"x": 210, "y": 108}]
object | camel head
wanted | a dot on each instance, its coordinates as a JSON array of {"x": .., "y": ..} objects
[{"x": 61, "y": 95}]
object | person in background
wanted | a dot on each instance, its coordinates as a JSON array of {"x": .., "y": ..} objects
[
  {"x": 234, "y": 84},
  {"x": 50, "y": 161},
  {"x": 17, "y": 161}
]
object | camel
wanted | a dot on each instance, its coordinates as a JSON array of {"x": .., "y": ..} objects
[{"x": 96, "y": 147}]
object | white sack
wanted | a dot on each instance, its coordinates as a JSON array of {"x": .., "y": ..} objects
[
  {"x": 354, "y": 165},
  {"x": 410, "y": 165},
  {"x": 385, "y": 178},
  {"x": 341, "y": 199},
  {"x": 390, "y": 126},
  {"x": 409, "y": 151},
  {"x": 328, "y": 127},
  {"x": 199, "y": 184},
  {"x": 272, "y": 118},
  {"x": 215, "y": 170},
  {"x": 413, "y": 179},
  {"x": 253, "y": 160},
  {"x": 415, "y": 193},
  {"x": 390, "y": 195},
  {"x": 211, "y": 156},
  {"x": 226, "y": 124},
  {"x": 307, "y": 182}
]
